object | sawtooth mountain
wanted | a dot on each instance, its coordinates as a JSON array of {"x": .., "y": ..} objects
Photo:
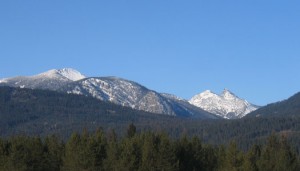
[{"x": 226, "y": 105}]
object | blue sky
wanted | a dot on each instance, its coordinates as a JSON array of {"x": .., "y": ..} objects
[{"x": 179, "y": 47}]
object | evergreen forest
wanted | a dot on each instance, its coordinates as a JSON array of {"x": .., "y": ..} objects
[{"x": 142, "y": 151}]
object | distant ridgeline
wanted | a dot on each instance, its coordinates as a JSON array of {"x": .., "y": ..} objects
[
  {"x": 206, "y": 105},
  {"x": 112, "y": 89},
  {"x": 285, "y": 108},
  {"x": 43, "y": 112}
]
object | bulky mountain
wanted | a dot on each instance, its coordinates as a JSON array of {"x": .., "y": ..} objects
[
  {"x": 117, "y": 90},
  {"x": 43, "y": 112},
  {"x": 226, "y": 105},
  {"x": 286, "y": 108}
]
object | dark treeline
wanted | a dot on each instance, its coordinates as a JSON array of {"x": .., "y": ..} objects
[{"x": 141, "y": 151}]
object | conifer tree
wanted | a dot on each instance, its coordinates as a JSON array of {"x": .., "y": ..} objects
[
  {"x": 251, "y": 159},
  {"x": 54, "y": 150},
  {"x": 112, "y": 152},
  {"x": 131, "y": 130},
  {"x": 166, "y": 159},
  {"x": 72, "y": 158},
  {"x": 234, "y": 158},
  {"x": 183, "y": 153},
  {"x": 277, "y": 155},
  {"x": 3, "y": 154},
  {"x": 149, "y": 152},
  {"x": 98, "y": 146},
  {"x": 130, "y": 153},
  {"x": 208, "y": 159},
  {"x": 26, "y": 154}
]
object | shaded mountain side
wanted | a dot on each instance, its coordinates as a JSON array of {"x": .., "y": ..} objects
[
  {"x": 285, "y": 108},
  {"x": 189, "y": 110},
  {"x": 40, "y": 112}
]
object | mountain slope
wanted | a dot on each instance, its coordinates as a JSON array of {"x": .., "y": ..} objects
[
  {"x": 134, "y": 95},
  {"x": 226, "y": 105},
  {"x": 289, "y": 107},
  {"x": 42, "y": 112}
]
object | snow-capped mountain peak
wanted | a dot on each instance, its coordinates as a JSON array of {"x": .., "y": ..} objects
[
  {"x": 227, "y": 104},
  {"x": 52, "y": 79},
  {"x": 207, "y": 94},
  {"x": 68, "y": 73},
  {"x": 3, "y": 80},
  {"x": 227, "y": 94}
]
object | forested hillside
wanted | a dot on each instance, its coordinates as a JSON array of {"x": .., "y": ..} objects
[
  {"x": 285, "y": 108},
  {"x": 42, "y": 113}
]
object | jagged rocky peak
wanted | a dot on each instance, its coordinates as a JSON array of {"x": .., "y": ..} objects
[
  {"x": 69, "y": 73},
  {"x": 227, "y": 94},
  {"x": 227, "y": 104}
]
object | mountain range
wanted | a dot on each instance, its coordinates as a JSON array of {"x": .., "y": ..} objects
[
  {"x": 206, "y": 105},
  {"x": 44, "y": 112},
  {"x": 73, "y": 105}
]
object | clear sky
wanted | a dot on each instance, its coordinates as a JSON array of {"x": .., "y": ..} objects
[{"x": 179, "y": 47}]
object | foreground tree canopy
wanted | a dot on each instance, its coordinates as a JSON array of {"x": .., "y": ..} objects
[{"x": 141, "y": 151}]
